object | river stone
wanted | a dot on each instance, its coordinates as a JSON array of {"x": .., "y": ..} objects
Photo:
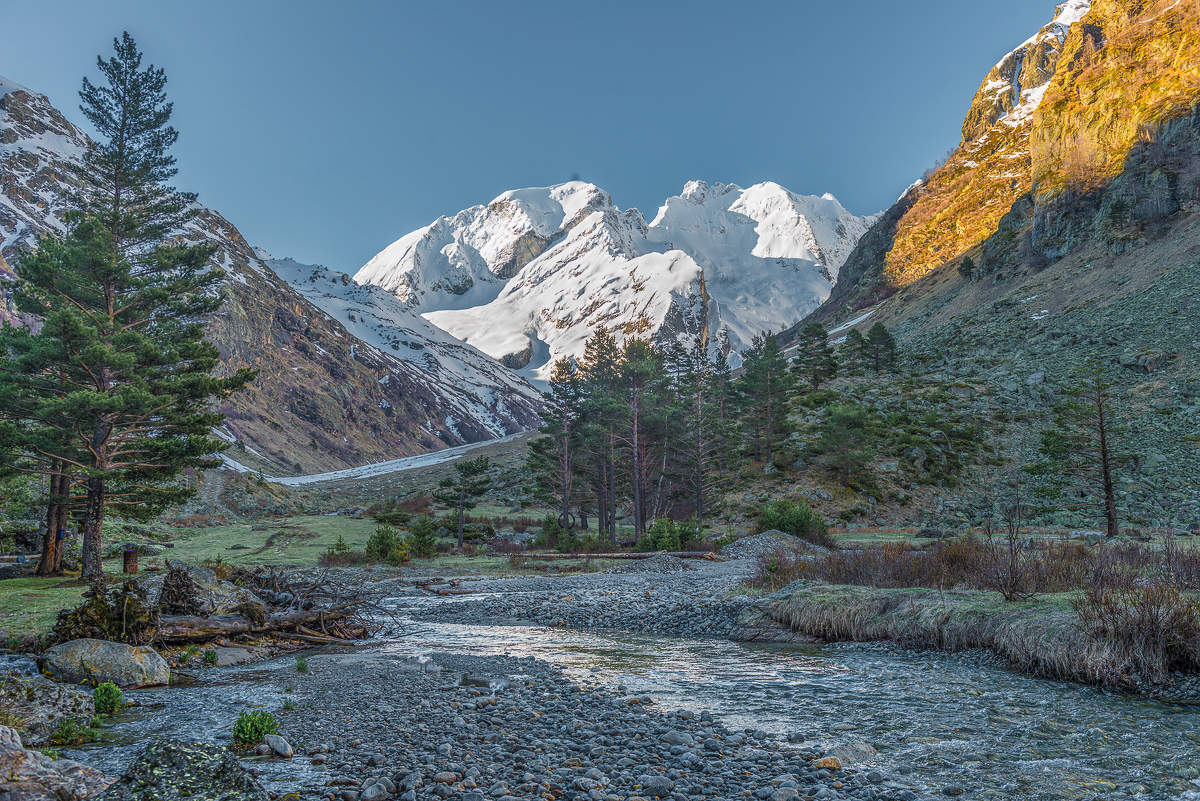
[
  {"x": 195, "y": 771},
  {"x": 88, "y": 660},
  {"x": 32, "y": 776},
  {"x": 677, "y": 737},
  {"x": 656, "y": 786},
  {"x": 213, "y": 596},
  {"x": 853, "y": 751},
  {"x": 280, "y": 746}
]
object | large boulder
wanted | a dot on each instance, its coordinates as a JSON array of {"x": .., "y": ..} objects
[
  {"x": 195, "y": 771},
  {"x": 88, "y": 660},
  {"x": 190, "y": 590},
  {"x": 32, "y": 776}
]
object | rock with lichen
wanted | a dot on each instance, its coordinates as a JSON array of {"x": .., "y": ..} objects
[
  {"x": 27, "y": 775},
  {"x": 177, "y": 769}
]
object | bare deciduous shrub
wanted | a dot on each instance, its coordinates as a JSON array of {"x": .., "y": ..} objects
[{"x": 1156, "y": 625}]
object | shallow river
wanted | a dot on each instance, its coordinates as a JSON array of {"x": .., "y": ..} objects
[{"x": 937, "y": 720}]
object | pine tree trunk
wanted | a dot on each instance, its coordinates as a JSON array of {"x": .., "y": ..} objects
[
  {"x": 611, "y": 469},
  {"x": 462, "y": 500},
  {"x": 566, "y": 478},
  {"x": 93, "y": 524},
  {"x": 48, "y": 565},
  {"x": 768, "y": 421},
  {"x": 637, "y": 475},
  {"x": 64, "y": 510}
]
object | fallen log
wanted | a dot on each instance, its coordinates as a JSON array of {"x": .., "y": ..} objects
[{"x": 189, "y": 628}]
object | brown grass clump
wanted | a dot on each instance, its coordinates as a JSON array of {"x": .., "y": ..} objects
[
  {"x": 1123, "y": 616},
  {"x": 1155, "y": 626}
]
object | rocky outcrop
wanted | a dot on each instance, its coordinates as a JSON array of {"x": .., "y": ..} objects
[
  {"x": 35, "y": 705},
  {"x": 1087, "y": 131},
  {"x": 96, "y": 661},
  {"x": 170, "y": 769},
  {"x": 33, "y": 776},
  {"x": 191, "y": 590}
]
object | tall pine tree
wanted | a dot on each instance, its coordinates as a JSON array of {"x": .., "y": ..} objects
[
  {"x": 555, "y": 459},
  {"x": 123, "y": 306},
  {"x": 641, "y": 382},
  {"x": 766, "y": 386},
  {"x": 1081, "y": 449},
  {"x": 881, "y": 348},
  {"x": 814, "y": 363},
  {"x": 696, "y": 416},
  {"x": 462, "y": 488}
]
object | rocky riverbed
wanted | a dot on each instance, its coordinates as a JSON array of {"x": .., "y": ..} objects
[
  {"x": 510, "y": 728},
  {"x": 660, "y": 595}
]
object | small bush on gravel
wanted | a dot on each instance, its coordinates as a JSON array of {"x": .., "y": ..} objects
[
  {"x": 551, "y": 533},
  {"x": 340, "y": 554},
  {"x": 797, "y": 519},
  {"x": 251, "y": 727},
  {"x": 663, "y": 535},
  {"x": 107, "y": 698},
  {"x": 210, "y": 657},
  {"x": 71, "y": 732}
]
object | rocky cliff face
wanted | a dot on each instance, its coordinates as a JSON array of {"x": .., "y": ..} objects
[
  {"x": 324, "y": 398},
  {"x": 961, "y": 203},
  {"x": 1082, "y": 131},
  {"x": 1115, "y": 142},
  {"x": 530, "y": 276}
]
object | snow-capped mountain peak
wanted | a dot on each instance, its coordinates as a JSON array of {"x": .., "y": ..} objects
[{"x": 528, "y": 277}]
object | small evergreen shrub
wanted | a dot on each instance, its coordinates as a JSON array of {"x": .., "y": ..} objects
[
  {"x": 107, "y": 698},
  {"x": 382, "y": 542},
  {"x": 663, "y": 535},
  {"x": 795, "y": 518},
  {"x": 552, "y": 533},
  {"x": 251, "y": 727},
  {"x": 210, "y": 657},
  {"x": 422, "y": 537}
]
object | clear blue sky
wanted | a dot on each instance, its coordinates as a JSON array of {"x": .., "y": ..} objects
[{"x": 324, "y": 130}]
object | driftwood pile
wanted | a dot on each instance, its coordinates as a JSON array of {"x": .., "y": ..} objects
[{"x": 195, "y": 605}]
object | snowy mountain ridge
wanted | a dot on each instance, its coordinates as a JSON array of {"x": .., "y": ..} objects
[{"x": 528, "y": 277}]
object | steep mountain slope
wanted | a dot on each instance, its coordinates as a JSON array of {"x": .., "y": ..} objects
[
  {"x": 475, "y": 389},
  {"x": 324, "y": 399},
  {"x": 1085, "y": 233},
  {"x": 528, "y": 277}
]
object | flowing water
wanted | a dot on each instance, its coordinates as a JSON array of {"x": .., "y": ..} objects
[{"x": 937, "y": 720}]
